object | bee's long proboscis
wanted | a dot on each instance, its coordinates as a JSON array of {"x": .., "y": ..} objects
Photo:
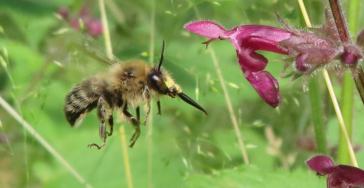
[{"x": 188, "y": 100}]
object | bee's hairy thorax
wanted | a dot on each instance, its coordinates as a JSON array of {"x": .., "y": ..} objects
[{"x": 130, "y": 79}]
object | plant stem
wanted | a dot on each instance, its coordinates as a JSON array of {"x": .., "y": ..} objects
[
  {"x": 42, "y": 141},
  {"x": 315, "y": 100},
  {"x": 344, "y": 32},
  {"x": 340, "y": 21},
  {"x": 353, "y": 15},
  {"x": 124, "y": 147},
  {"x": 150, "y": 122},
  {"x": 230, "y": 107},
  {"x": 347, "y": 102},
  {"x": 228, "y": 102},
  {"x": 341, "y": 121},
  {"x": 110, "y": 56},
  {"x": 348, "y": 83},
  {"x": 105, "y": 27},
  {"x": 317, "y": 116}
]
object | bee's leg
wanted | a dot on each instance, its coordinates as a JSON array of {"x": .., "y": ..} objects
[
  {"x": 104, "y": 112},
  {"x": 135, "y": 124},
  {"x": 147, "y": 113},
  {"x": 147, "y": 96},
  {"x": 102, "y": 131},
  {"x": 159, "y": 107},
  {"x": 111, "y": 124},
  {"x": 137, "y": 110}
]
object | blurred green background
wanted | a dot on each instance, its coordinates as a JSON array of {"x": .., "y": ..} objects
[{"x": 182, "y": 147}]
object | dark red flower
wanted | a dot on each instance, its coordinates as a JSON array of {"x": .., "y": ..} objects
[{"x": 340, "y": 176}]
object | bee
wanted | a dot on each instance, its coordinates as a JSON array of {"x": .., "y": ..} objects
[{"x": 130, "y": 83}]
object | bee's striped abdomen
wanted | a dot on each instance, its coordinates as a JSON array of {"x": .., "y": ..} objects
[{"x": 82, "y": 99}]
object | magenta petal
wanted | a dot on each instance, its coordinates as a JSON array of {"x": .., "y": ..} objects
[
  {"x": 258, "y": 37},
  {"x": 251, "y": 61},
  {"x": 206, "y": 28},
  {"x": 266, "y": 86},
  {"x": 247, "y": 39},
  {"x": 321, "y": 164}
]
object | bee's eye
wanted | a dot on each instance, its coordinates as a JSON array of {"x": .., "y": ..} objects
[
  {"x": 157, "y": 83},
  {"x": 156, "y": 78}
]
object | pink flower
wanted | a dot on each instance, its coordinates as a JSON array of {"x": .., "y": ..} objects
[
  {"x": 340, "y": 176},
  {"x": 92, "y": 24},
  {"x": 247, "y": 39},
  {"x": 311, "y": 49}
]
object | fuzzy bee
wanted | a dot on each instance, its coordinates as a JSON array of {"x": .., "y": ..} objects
[{"x": 131, "y": 83}]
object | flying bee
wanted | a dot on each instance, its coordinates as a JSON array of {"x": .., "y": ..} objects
[{"x": 126, "y": 84}]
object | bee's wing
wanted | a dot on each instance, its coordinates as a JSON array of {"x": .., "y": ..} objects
[{"x": 78, "y": 42}]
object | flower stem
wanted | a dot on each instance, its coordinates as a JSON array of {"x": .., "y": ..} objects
[
  {"x": 109, "y": 53},
  {"x": 316, "y": 111},
  {"x": 337, "y": 10},
  {"x": 340, "y": 21},
  {"x": 347, "y": 104},
  {"x": 150, "y": 122},
  {"x": 124, "y": 147},
  {"x": 353, "y": 15},
  {"x": 228, "y": 102},
  {"x": 341, "y": 120},
  {"x": 230, "y": 107},
  {"x": 105, "y": 27},
  {"x": 315, "y": 100}
]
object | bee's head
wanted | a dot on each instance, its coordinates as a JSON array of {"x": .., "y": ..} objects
[{"x": 160, "y": 81}]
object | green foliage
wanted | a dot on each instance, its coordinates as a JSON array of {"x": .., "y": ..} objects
[
  {"x": 183, "y": 148},
  {"x": 253, "y": 177}
]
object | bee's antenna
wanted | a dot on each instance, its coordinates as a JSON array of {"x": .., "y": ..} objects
[{"x": 162, "y": 53}]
